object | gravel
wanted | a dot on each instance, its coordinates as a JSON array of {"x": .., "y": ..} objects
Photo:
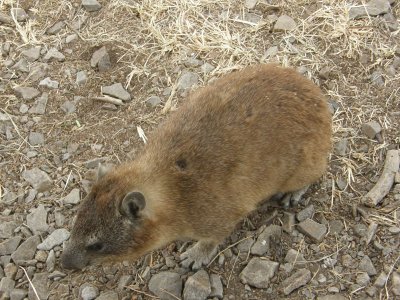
[
  {"x": 166, "y": 282},
  {"x": 26, "y": 93},
  {"x": 37, "y": 220},
  {"x": 259, "y": 272},
  {"x": 366, "y": 265},
  {"x": 38, "y": 179},
  {"x": 371, "y": 129},
  {"x": 36, "y": 138},
  {"x": 10, "y": 245},
  {"x": 217, "y": 290},
  {"x": 32, "y": 54},
  {"x": 314, "y": 230},
  {"x": 101, "y": 59},
  {"x": 116, "y": 90},
  {"x": 57, "y": 237},
  {"x": 372, "y": 8},
  {"x": 187, "y": 80},
  {"x": 88, "y": 292},
  {"x": 26, "y": 251},
  {"x": 72, "y": 198},
  {"x": 197, "y": 286},
  {"x": 261, "y": 246},
  {"x": 48, "y": 83},
  {"x": 298, "y": 279},
  {"x": 54, "y": 55}
]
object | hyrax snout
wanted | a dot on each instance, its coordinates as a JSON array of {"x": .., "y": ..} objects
[{"x": 245, "y": 137}]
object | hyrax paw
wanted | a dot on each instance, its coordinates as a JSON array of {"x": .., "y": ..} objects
[{"x": 198, "y": 256}]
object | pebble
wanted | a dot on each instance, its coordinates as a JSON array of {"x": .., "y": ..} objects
[
  {"x": 396, "y": 283},
  {"x": 288, "y": 222},
  {"x": 21, "y": 65},
  {"x": 197, "y": 286},
  {"x": 394, "y": 230},
  {"x": 336, "y": 226},
  {"x": 68, "y": 107},
  {"x": 38, "y": 71},
  {"x": 109, "y": 295},
  {"x": 377, "y": 78},
  {"x": 39, "y": 107},
  {"x": 166, "y": 281},
  {"x": 20, "y": 14},
  {"x": 88, "y": 292},
  {"x": 10, "y": 270},
  {"x": 261, "y": 246},
  {"x": 306, "y": 213},
  {"x": 124, "y": 281},
  {"x": 70, "y": 38},
  {"x": 101, "y": 59},
  {"x": 54, "y": 55},
  {"x": 372, "y": 8},
  {"x": 116, "y": 90},
  {"x": 6, "y": 287},
  {"x": 325, "y": 73},
  {"x": 91, "y": 5},
  {"x": 81, "y": 78},
  {"x": 57, "y": 237},
  {"x": 381, "y": 280},
  {"x": 7, "y": 229},
  {"x": 217, "y": 289},
  {"x": 32, "y": 54},
  {"x": 363, "y": 279},
  {"x": 207, "y": 68},
  {"x": 23, "y": 109},
  {"x": 26, "y": 251},
  {"x": 56, "y": 28},
  {"x": 36, "y": 138},
  {"x": 271, "y": 51},
  {"x": 73, "y": 197},
  {"x": 187, "y": 80},
  {"x": 38, "y": 179},
  {"x": 50, "y": 261},
  {"x": 18, "y": 294},
  {"x": 47, "y": 82},
  {"x": 245, "y": 245},
  {"x": 298, "y": 279},
  {"x": 153, "y": 101},
  {"x": 293, "y": 256},
  {"x": 10, "y": 245},
  {"x": 250, "y": 4},
  {"x": 26, "y": 93},
  {"x": 366, "y": 265},
  {"x": 39, "y": 281},
  {"x": 333, "y": 297},
  {"x": 341, "y": 147},
  {"x": 284, "y": 23},
  {"x": 37, "y": 220},
  {"x": 371, "y": 129},
  {"x": 259, "y": 272},
  {"x": 312, "y": 229}
]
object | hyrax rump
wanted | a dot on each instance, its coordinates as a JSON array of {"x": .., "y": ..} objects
[{"x": 243, "y": 138}]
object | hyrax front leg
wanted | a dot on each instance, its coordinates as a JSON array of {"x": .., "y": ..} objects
[
  {"x": 292, "y": 199},
  {"x": 200, "y": 254}
]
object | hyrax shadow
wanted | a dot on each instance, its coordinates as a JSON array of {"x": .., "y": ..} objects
[{"x": 243, "y": 138}]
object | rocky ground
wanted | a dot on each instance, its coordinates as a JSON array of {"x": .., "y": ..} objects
[{"x": 84, "y": 82}]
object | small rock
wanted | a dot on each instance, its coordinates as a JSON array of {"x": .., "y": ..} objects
[
  {"x": 377, "y": 78},
  {"x": 36, "y": 138},
  {"x": 153, "y": 101},
  {"x": 336, "y": 226},
  {"x": 32, "y": 54},
  {"x": 259, "y": 272},
  {"x": 7, "y": 229},
  {"x": 39, "y": 107},
  {"x": 91, "y": 5},
  {"x": 372, "y": 8},
  {"x": 54, "y": 54},
  {"x": 68, "y": 107},
  {"x": 197, "y": 286},
  {"x": 38, "y": 71},
  {"x": 192, "y": 62},
  {"x": 19, "y": 14},
  {"x": 18, "y": 294},
  {"x": 312, "y": 229},
  {"x": 6, "y": 287},
  {"x": 37, "y": 220},
  {"x": 187, "y": 80},
  {"x": 57, "y": 237},
  {"x": 394, "y": 230},
  {"x": 39, "y": 281},
  {"x": 116, "y": 90},
  {"x": 81, "y": 78},
  {"x": 288, "y": 221},
  {"x": 362, "y": 279},
  {"x": 271, "y": 51},
  {"x": 50, "y": 261},
  {"x": 294, "y": 256},
  {"x": 381, "y": 280},
  {"x": 341, "y": 147},
  {"x": 360, "y": 230},
  {"x": 8, "y": 246},
  {"x": 207, "y": 68},
  {"x": 72, "y": 198},
  {"x": 284, "y": 23},
  {"x": 250, "y": 4},
  {"x": 298, "y": 279},
  {"x": 38, "y": 179},
  {"x": 367, "y": 266},
  {"x": 217, "y": 289},
  {"x": 23, "y": 109},
  {"x": 333, "y": 297},
  {"x": 245, "y": 245},
  {"x": 10, "y": 270},
  {"x": 252, "y": 17},
  {"x": 56, "y": 28},
  {"x": 164, "y": 282},
  {"x": 371, "y": 129},
  {"x": 396, "y": 283},
  {"x": 124, "y": 281},
  {"x": 88, "y": 292},
  {"x": 21, "y": 65},
  {"x": 26, "y": 251},
  {"x": 261, "y": 246},
  {"x": 109, "y": 295},
  {"x": 324, "y": 73},
  {"x": 306, "y": 213},
  {"x": 47, "y": 82},
  {"x": 101, "y": 59},
  {"x": 26, "y": 93}
]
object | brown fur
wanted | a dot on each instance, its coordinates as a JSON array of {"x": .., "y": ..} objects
[{"x": 243, "y": 138}]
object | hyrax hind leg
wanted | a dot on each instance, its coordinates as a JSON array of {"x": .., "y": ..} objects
[{"x": 200, "y": 254}]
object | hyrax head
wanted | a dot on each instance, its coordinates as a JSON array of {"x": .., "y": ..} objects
[{"x": 111, "y": 224}]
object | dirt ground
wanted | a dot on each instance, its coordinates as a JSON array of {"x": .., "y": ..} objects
[{"x": 151, "y": 45}]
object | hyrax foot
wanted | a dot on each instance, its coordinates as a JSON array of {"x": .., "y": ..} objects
[
  {"x": 292, "y": 199},
  {"x": 199, "y": 255}
]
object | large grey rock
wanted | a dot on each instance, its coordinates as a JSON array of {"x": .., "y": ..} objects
[
  {"x": 36, "y": 138},
  {"x": 38, "y": 179},
  {"x": 187, "y": 80},
  {"x": 261, "y": 246},
  {"x": 10, "y": 245},
  {"x": 166, "y": 282},
  {"x": 91, "y": 5},
  {"x": 72, "y": 198},
  {"x": 314, "y": 230},
  {"x": 366, "y": 265},
  {"x": 18, "y": 294},
  {"x": 6, "y": 287},
  {"x": 101, "y": 59},
  {"x": 57, "y": 237},
  {"x": 32, "y": 54},
  {"x": 26, "y": 93},
  {"x": 37, "y": 220},
  {"x": 26, "y": 251},
  {"x": 285, "y": 23},
  {"x": 372, "y": 8},
  {"x": 116, "y": 90},
  {"x": 217, "y": 290},
  {"x": 259, "y": 272},
  {"x": 7, "y": 229},
  {"x": 197, "y": 286},
  {"x": 40, "y": 282},
  {"x": 39, "y": 107},
  {"x": 298, "y": 279}
]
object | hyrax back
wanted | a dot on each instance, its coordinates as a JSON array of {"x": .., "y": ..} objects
[{"x": 243, "y": 138}]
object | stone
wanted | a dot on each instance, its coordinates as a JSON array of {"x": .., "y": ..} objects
[
  {"x": 250, "y": 4},
  {"x": 396, "y": 283},
  {"x": 336, "y": 226},
  {"x": 81, "y": 78},
  {"x": 217, "y": 289},
  {"x": 26, "y": 251},
  {"x": 394, "y": 230},
  {"x": 153, "y": 101},
  {"x": 261, "y": 246},
  {"x": 18, "y": 294},
  {"x": 6, "y": 287},
  {"x": 192, "y": 62},
  {"x": 197, "y": 286},
  {"x": 50, "y": 261},
  {"x": 164, "y": 282},
  {"x": 57, "y": 237},
  {"x": 271, "y": 51},
  {"x": 124, "y": 281},
  {"x": 7, "y": 229},
  {"x": 293, "y": 256},
  {"x": 109, "y": 295},
  {"x": 372, "y": 8},
  {"x": 366, "y": 265},
  {"x": 116, "y": 90},
  {"x": 47, "y": 82},
  {"x": 73, "y": 197},
  {"x": 37, "y": 220},
  {"x": 39, "y": 107},
  {"x": 371, "y": 129},
  {"x": 187, "y": 80},
  {"x": 54, "y": 55},
  {"x": 38, "y": 71},
  {"x": 245, "y": 245},
  {"x": 284, "y": 23},
  {"x": 70, "y": 38},
  {"x": 381, "y": 280},
  {"x": 362, "y": 279},
  {"x": 10, "y": 245},
  {"x": 23, "y": 109},
  {"x": 259, "y": 272},
  {"x": 298, "y": 279},
  {"x": 341, "y": 147},
  {"x": 207, "y": 68},
  {"x": 332, "y": 297},
  {"x": 101, "y": 59},
  {"x": 306, "y": 213},
  {"x": 36, "y": 138},
  {"x": 32, "y": 54},
  {"x": 26, "y": 93},
  {"x": 19, "y": 14},
  {"x": 288, "y": 222},
  {"x": 10, "y": 270},
  {"x": 377, "y": 78},
  {"x": 6, "y": 20},
  {"x": 56, "y": 28},
  {"x": 324, "y": 73},
  {"x": 312, "y": 229},
  {"x": 38, "y": 179},
  {"x": 88, "y": 292},
  {"x": 39, "y": 281},
  {"x": 21, "y": 65},
  {"x": 68, "y": 107},
  {"x": 91, "y": 5},
  {"x": 360, "y": 230}
]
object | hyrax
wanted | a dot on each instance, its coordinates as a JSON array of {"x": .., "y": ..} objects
[{"x": 243, "y": 138}]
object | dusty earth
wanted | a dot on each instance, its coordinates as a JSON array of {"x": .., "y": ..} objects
[{"x": 57, "y": 124}]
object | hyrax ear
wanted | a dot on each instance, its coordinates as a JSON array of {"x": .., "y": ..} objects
[
  {"x": 132, "y": 204},
  {"x": 102, "y": 170}
]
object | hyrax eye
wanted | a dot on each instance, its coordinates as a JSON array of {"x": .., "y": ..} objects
[{"x": 95, "y": 247}]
